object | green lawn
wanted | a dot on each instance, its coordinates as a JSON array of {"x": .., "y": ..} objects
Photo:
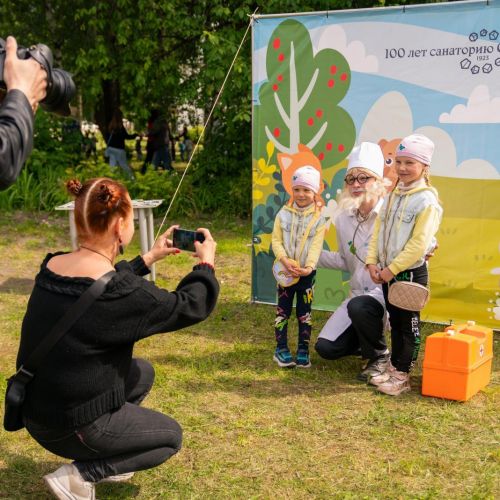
[{"x": 252, "y": 430}]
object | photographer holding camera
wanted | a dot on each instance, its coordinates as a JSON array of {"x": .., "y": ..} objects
[
  {"x": 28, "y": 78},
  {"x": 26, "y": 83}
]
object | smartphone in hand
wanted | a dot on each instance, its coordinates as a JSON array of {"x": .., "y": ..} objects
[{"x": 184, "y": 239}]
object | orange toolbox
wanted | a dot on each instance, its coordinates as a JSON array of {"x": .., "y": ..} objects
[{"x": 457, "y": 362}]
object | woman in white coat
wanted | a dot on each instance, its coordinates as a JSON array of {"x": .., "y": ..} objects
[{"x": 357, "y": 326}]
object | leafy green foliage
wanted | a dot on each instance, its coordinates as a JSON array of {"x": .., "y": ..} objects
[{"x": 136, "y": 54}]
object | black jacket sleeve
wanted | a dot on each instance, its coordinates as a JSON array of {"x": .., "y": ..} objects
[
  {"x": 16, "y": 136},
  {"x": 192, "y": 302}
]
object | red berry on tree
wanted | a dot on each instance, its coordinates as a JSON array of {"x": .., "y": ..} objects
[
  {"x": 275, "y": 87},
  {"x": 321, "y": 156},
  {"x": 276, "y": 43},
  {"x": 333, "y": 69},
  {"x": 280, "y": 78},
  {"x": 331, "y": 83},
  {"x": 341, "y": 148},
  {"x": 343, "y": 77},
  {"x": 328, "y": 146},
  {"x": 281, "y": 57},
  {"x": 319, "y": 113},
  {"x": 310, "y": 122},
  {"x": 276, "y": 132}
]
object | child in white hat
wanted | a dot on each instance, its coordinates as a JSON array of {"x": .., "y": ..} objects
[
  {"x": 403, "y": 235},
  {"x": 357, "y": 325},
  {"x": 297, "y": 241}
]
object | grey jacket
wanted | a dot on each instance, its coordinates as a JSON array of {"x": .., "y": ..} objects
[{"x": 16, "y": 136}]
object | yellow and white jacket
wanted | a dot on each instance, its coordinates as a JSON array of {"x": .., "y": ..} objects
[
  {"x": 298, "y": 234},
  {"x": 405, "y": 228}
]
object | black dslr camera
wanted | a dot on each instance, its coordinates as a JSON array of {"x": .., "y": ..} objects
[{"x": 60, "y": 86}]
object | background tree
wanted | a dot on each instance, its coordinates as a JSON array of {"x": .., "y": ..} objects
[{"x": 136, "y": 54}]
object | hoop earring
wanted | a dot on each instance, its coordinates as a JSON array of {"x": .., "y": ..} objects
[{"x": 120, "y": 246}]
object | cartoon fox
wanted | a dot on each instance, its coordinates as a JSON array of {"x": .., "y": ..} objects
[{"x": 289, "y": 163}]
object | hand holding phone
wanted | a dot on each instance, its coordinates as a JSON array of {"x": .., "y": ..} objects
[{"x": 184, "y": 239}]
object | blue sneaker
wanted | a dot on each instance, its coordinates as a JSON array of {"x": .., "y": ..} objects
[
  {"x": 302, "y": 360},
  {"x": 283, "y": 357}
]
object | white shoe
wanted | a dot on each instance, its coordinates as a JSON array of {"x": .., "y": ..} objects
[
  {"x": 67, "y": 484},
  {"x": 382, "y": 377},
  {"x": 118, "y": 478},
  {"x": 373, "y": 369},
  {"x": 398, "y": 383}
]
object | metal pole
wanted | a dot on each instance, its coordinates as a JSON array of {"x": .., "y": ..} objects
[
  {"x": 72, "y": 230},
  {"x": 151, "y": 238},
  {"x": 143, "y": 232}
]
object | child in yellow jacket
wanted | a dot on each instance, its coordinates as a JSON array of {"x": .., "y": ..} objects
[
  {"x": 297, "y": 241},
  {"x": 402, "y": 237}
]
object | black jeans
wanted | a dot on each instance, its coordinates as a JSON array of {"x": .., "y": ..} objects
[
  {"x": 125, "y": 440},
  {"x": 304, "y": 290},
  {"x": 405, "y": 325},
  {"x": 365, "y": 334}
]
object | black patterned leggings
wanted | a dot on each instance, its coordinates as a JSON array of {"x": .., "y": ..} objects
[
  {"x": 405, "y": 325},
  {"x": 304, "y": 291}
]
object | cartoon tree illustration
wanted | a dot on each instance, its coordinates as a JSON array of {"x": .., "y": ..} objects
[
  {"x": 299, "y": 104},
  {"x": 300, "y": 101}
]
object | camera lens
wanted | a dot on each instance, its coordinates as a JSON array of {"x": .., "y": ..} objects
[{"x": 60, "y": 93}]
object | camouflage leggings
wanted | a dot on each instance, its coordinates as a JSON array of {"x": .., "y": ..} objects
[{"x": 304, "y": 290}]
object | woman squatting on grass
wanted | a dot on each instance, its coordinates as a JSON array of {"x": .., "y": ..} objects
[
  {"x": 357, "y": 325},
  {"x": 83, "y": 403}
]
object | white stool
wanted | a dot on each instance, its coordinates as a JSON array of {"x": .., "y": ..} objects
[{"x": 143, "y": 212}]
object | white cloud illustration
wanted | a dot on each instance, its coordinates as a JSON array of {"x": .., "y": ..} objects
[
  {"x": 334, "y": 37},
  {"x": 444, "y": 160},
  {"x": 480, "y": 108},
  {"x": 389, "y": 118},
  {"x": 393, "y": 108}
]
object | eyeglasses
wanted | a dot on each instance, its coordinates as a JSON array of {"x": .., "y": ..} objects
[{"x": 361, "y": 178}]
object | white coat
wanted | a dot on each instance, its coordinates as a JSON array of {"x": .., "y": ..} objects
[{"x": 344, "y": 259}]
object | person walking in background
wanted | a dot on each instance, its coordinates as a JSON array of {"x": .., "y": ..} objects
[
  {"x": 357, "y": 325},
  {"x": 84, "y": 400},
  {"x": 297, "y": 241},
  {"x": 149, "y": 141},
  {"x": 138, "y": 147},
  {"x": 402, "y": 237},
  {"x": 115, "y": 144},
  {"x": 189, "y": 146},
  {"x": 185, "y": 144},
  {"x": 160, "y": 134},
  {"x": 173, "y": 141}
]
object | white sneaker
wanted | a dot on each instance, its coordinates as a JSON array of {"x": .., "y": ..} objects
[
  {"x": 67, "y": 484},
  {"x": 118, "y": 478},
  {"x": 373, "y": 369},
  {"x": 398, "y": 383},
  {"x": 378, "y": 379}
]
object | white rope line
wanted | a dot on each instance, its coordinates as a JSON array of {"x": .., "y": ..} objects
[{"x": 205, "y": 125}]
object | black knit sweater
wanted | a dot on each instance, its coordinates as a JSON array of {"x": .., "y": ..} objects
[{"x": 83, "y": 376}]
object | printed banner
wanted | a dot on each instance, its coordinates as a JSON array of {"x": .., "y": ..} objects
[{"x": 324, "y": 82}]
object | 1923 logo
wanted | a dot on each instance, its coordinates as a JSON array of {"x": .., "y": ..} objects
[{"x": 485, "y": 57}]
